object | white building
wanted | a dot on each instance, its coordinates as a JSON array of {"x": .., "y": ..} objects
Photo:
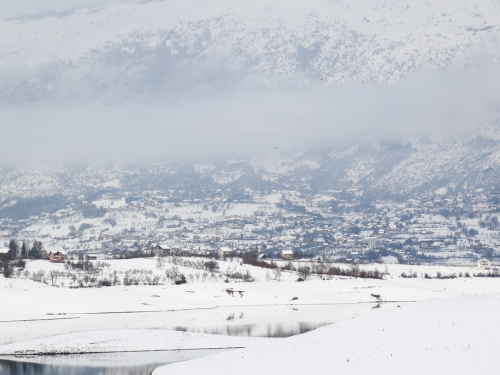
[
  {"x": 161, "y": 250},
  {"x": 483, "y": 264},
  {"x": 224, "y": 252},
  {"x": 286, "y": 254},
  {"x": 371, "y": 241}
]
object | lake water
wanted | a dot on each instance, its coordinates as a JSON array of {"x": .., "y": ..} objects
[
  {"x": 252, "y": 321},
  {"x": 141, "y": 363},
  {"x": 255, "y": 321}
]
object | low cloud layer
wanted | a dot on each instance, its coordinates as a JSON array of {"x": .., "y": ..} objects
[
  {"x": 19, "y": 8},
  {"x": 243, "y": 118}
]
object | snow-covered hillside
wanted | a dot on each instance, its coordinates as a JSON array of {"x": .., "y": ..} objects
[
  {"x": 123, "y": 49},
  {"x": 379, "y": 169},
  {"x": 333, "y": 41}
]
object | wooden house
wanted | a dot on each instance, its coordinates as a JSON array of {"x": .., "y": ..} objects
[{"x": 4, "y": 254}]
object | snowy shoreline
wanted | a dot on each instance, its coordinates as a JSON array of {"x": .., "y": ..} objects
[{"x": 123, "y": 341}]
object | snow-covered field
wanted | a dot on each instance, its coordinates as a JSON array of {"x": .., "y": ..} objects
[
  {"x": 423, "y": 323},
  {"x": 457, "y": 336}
]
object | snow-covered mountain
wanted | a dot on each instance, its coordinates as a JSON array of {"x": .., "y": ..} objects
[
  {"x": 127, "y": 47},
  {"x": 123, "y": 49},
  {"x": 381, "y": 169}
]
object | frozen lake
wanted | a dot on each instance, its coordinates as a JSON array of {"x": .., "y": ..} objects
[
  {"x": 251, "y": 321},
  {"x": 97, "y": 364}
]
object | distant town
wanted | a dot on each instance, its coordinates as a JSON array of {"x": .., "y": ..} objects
[{"x": 335, "y": 226}]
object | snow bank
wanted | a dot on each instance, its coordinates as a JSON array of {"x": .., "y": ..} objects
[
  {"x": 109, "y": 341},
  {"x": 455, "y": 336}
]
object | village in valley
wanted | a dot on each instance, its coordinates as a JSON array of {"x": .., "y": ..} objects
[
  {"x": 179, "y": 276},
  {"x": 334, "y": 226}
]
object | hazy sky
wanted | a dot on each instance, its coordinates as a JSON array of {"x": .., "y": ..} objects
[
  {"x": 18, "y": 8},
  {"x": 242, "y": 119},
  {"x": 115, "y": 106}
]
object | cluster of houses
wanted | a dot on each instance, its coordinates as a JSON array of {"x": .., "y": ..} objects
[
  {"x": 224, "y": 252},
  {"x": 452, "y": 229},
  {"x": 162, "y": 250},
  {"x": 53, "y": 256}
]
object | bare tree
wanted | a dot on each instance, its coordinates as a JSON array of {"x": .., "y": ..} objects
[
  {"x": 277, "y": 273},
  {"x": 160, "y": 262},
  {"x": 211, "y": 266},
  {"x": 304, "y": 271},
  {"x": 53, "y": 276}
]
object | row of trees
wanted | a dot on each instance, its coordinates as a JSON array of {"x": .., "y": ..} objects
[
  {"x": 26, "y": 250},
  {"x": 319, "y": 268}
]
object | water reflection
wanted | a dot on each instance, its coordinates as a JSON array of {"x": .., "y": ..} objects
[
  {"x": 25, "y": 368},
  {"x": 97, "y": 364},
  {"x": 255, "y": 321},
  {"x": 251, "y": 321},
  {"x": 253, "y": 330}
]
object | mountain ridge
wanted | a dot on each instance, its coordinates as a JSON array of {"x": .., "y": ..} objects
[
  {"x": 385, "y": 169},
  {"x": 61, "y": 54}
]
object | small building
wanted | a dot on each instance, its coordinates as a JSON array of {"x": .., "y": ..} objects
[
  {"x": 4, "y": 254},
  {"x": 483, "y": 264},
  {"x": 224, "y": 252},
  {"x": 371, "y": 241},
  {"x": 92, "y": 256},
  {"x": 116, "y": 251},
  {"x": 162, "y": 250},
  {"x": 286, "y": 254},
  {"x": 57, "y": 257}
]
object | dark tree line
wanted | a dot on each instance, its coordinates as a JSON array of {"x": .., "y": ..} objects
[{"x": 25, "y": 251}]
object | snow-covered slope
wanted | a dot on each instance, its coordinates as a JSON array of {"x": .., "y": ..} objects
[
  {"x": 126, "y": 48},
  {"x": 337, "y": 41},
  {"x": 379, "y": 169}
]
